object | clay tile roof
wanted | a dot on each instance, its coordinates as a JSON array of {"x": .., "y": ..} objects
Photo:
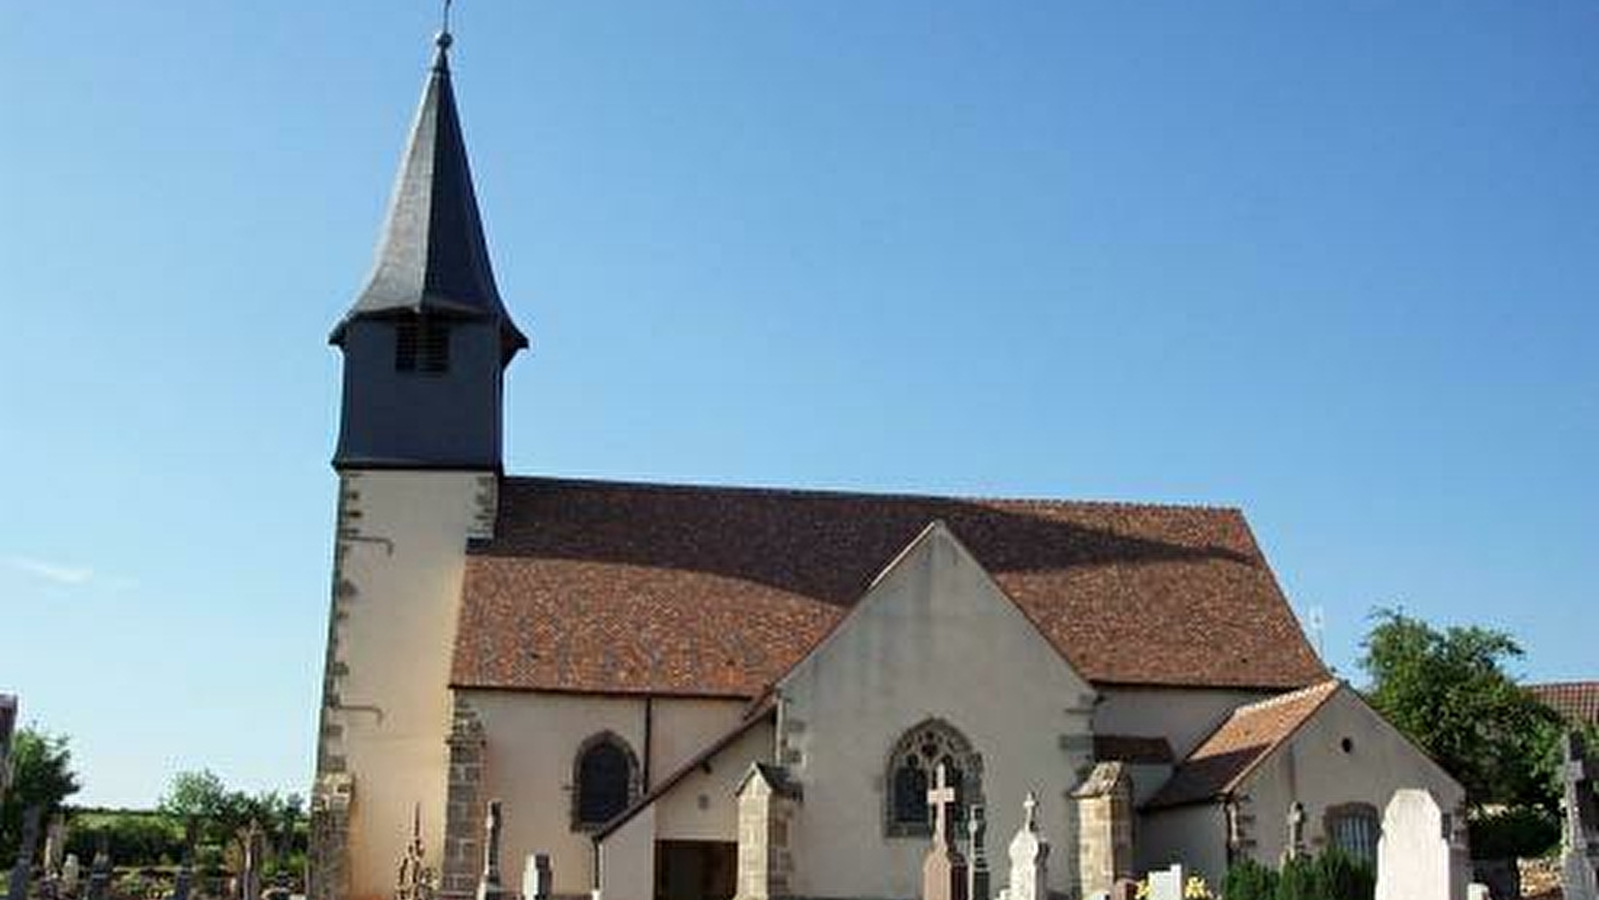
[
  {"x": 1244, "y": 740},
  {"x": 1576, "y": 701},
  {"x": 710, "y": 591}
]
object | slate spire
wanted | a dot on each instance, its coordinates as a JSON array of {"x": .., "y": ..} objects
[
  {"x": 432, "y": 257},
  {"x": 428, "y": 340}
]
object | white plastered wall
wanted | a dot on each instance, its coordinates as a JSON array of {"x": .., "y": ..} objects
[
  {"x": 704, "y": 805},
  {"x": 402, "y": 554},
  {"x": 1312, "y": 768},
  {"x": 532, "y": 740},
  {"x": 1195, "y": 836},
  {"x": 933, "y": 638},
  {"x": 1183, "y": 716}
]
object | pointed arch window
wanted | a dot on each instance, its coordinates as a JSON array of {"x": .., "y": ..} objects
[
  {"x": 911, "y": 767},
  {"x": 605, "y": 779}
]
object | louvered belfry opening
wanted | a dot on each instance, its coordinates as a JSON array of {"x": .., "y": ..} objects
[{"x": 422, "y": 345}]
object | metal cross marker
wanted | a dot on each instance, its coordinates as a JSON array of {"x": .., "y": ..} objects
[{"x": 941, "y": 797}]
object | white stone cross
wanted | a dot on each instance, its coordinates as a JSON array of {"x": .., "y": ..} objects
[{"x": 941, "y": 797}]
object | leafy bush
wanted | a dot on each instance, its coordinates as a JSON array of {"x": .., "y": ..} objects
[
  {"x": 1249, "y": 880},
  {"x": 1300, "y": 880},
  {"x": 1343, "y": 877},
  {"x": 132, "y": 838},
  {"x": 1334, "y": 875},
  {"x": 1514, "y": 833}
]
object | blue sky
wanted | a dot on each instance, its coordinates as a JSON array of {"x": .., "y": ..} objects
[{"x": 1337, "y": 264}]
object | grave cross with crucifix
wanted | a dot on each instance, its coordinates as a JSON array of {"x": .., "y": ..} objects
[
  {"x": 941, "y": 797},
  {"x": 944, "y": 871}
]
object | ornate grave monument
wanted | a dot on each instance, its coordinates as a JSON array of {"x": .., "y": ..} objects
[{"x": 1579, "y": 871}]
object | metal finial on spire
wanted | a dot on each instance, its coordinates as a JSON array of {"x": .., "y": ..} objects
[{"x": 444, "y": 40}]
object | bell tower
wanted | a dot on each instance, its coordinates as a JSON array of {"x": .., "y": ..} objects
[
  {"x": 425, "y": 347},
  {"x": 428, "y": 339}
]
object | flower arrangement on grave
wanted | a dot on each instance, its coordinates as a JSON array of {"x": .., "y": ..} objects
[{"x": 1194, "y": 888}]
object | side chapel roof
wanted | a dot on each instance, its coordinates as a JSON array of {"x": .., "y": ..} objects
[
  {"x": 610, "y": 587},
  {"x": 1249, "y": 735}
]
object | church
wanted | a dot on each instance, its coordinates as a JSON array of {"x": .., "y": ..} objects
[{"x": 698, "y": 693}]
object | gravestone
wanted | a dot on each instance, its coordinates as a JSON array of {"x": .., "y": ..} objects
[
  {"x": 1579, "y": 870},
  {"x": 1167, "y": 884},
  {"x": 488, "y": 886},
  {"x": 71, "y": 872},
  {"x": 538, "y": 881},
  {"x": 1478, "y": 892},
  {"x": 415, "y": 880},
  {"x": 250, "y": 871},
  {"x": 100, "y": 869},
  {"x": 22, "y": 869},
  {"x": 943, "y": 870},
  {"x": 55, "y": 844},
  {"x": 8, "y": 724},
  {"x": 1416, "y": 858},
  {"x": 183, "y": 881},
  {"x": 977, "y": 874},
  {"x": 1029, "y": 857}
]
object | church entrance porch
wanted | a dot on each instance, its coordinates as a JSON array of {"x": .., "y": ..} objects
[{"x": 695, "y": 870}]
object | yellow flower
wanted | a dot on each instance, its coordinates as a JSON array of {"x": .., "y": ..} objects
[
  {"x": 1143, "y": 889},
  {"x": 1196, "y": 889}
]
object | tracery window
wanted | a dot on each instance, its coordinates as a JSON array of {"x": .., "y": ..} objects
[
  {"x": 605, "y": 779},
  {"x": 1354, "y": 828},
  {"x": 911, "y": 770}
]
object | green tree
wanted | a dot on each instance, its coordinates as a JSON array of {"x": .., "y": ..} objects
[
  {"x": 220, "y": 815},
  {"x": 1449, "y": 692},
  {"x": 41, "y": 776}
]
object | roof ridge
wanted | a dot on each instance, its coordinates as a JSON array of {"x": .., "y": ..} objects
[
  {"x": 777, "y": 490},
  {"x": 1287, "y": 697},
  {"x": 1549, "y": 684}
]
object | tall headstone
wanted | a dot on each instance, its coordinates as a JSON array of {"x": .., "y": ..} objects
[
  {"x": 1167, "y": 884},
  {"x": 55, "y": 844},
  {"x": 538, "y": 881},
  {"x": 100, "y": 869},
  {"x": 22, "y": 870},
  {"x": 183, "y": 881},
  {"x": 415, "y": 880},
  {"x": 1416, "y": 858},
  {"x": 1579, "y": 869},
  {"x": 8, "y": 724},
  {"x": 71, "y": 874},
  {"x": 1029, "y": 857},
  {"x": 488, "y": 886},
  {"x": 250, "y": 873},
  {"x": 977, "y": 874},
  {"x": 943, "y": 870}
]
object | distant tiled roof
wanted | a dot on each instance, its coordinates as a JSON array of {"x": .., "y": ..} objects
[
  {"x": 1249, "y": 735},
  {"x": 709, "y": 591},
  {"x": 1577, "y": 701}
]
